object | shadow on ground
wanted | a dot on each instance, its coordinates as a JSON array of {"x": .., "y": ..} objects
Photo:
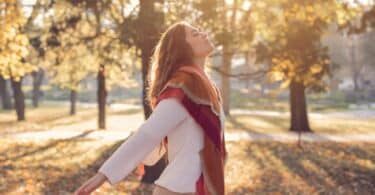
[
  {"x": 262, "y": 167},
  {"x": 58, "y": 167},
  {"x": 320, "y": 168}
]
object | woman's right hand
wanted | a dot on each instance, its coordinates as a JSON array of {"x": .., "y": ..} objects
[{"x": 91, "y": 185}]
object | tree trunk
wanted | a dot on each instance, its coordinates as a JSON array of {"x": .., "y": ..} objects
[
  {"x": 354, "y": 63},
  {"x": 102, "y": 96},
  {"x": 145, "y": 68},
  {"x": 299, "y": 119},
  {"x": 356, "y": 81},
  {"x": 19, "y": 99},
  {"x": 148, "y": 35},
  {"x": 73, "y": 101},
  {"x": 4, "y": 95},
  {"x": 37, "y": 82},
  {"x": 147, "y": 39},
  {"x": 225, "y": 80}
]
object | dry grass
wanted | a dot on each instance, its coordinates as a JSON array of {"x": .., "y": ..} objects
[
  {"x": 281, "y": 123},
  {"x": 283, "y": 168},
  {"x": 59, "y": 167},
  {"x": 57, "y": 116},
  {"x": 47, "y": 117},
  {"x": 56, "y": 167}
]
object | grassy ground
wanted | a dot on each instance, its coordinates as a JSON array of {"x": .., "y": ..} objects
[
  {"x": 49, "y": 116},
  {"x": 56, "y": 167},
  {"x": 275, "y": 124},
  {"x": 276, "y": 168},
  {"x": 315, "y": 102},
  {"x": 59, "y": 167},
  {"x": 44, "y": 117}
]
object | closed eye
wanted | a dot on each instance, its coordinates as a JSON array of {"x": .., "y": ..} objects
[{"x": 195, "y": 33}]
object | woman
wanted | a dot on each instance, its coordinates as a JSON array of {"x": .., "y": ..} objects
[{"x": 187, "y": 118}]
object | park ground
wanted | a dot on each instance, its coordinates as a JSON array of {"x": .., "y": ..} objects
[{"x": 53, "y": 153}]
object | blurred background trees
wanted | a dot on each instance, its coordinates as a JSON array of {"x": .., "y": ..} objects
[
  {"x": 290, "y": 34},
  {"x": 13, "y": 52}
]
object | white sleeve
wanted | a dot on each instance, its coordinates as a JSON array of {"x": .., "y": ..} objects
[
  {"x": 155, "y": 155},
  {"x": 167, "y": 115}
]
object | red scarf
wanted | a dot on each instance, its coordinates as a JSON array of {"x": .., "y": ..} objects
[{"x": 202, "y": 100}]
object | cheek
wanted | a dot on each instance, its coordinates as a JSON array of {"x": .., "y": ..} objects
[{"x": 200, "y": 47}]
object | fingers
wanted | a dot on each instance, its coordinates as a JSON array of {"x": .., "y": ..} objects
[
  {"x": 85, "y": 189},
  {"x": 91, "y": 185},
  {"x": 81, "y": 191}
]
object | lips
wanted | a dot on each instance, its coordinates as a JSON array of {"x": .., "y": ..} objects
[{"x": 207, "y": 38}]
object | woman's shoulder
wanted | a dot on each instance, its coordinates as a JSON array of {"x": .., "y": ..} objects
[{"x": 171, "y": 92}]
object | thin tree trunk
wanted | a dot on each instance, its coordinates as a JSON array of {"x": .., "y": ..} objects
[
  {"x": 6, "y": 101},
  {"x": 19, "y": 99},
  {"x": 101, "y": 96},
  {"x": 356, "y": 82},
  {"x": 73, "y": 101},
  {"x": 262, "y": 90},
  {"x": 354, "y": 63},
  {"x": 145, "y": 68},
  {"x": 248, "y": 69},
  {"x": 225, "y": 80},
  {"x": 148, "y": 37},
  {"x": 299, "y": 119},
  {"x": 37, "y": 82}
]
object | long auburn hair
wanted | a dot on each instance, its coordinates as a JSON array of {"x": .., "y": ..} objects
[{"x": 171, "y": 52}]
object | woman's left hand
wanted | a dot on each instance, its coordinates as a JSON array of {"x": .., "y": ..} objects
[{"x": 91, "y": 185}]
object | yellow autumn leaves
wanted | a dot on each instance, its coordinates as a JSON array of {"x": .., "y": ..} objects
[
  {"x": 292, "y": 32},
  {"x": 285, "y": 70},
  {"x": 81, "y": 48},
  {"x": 14, "y": 44}
]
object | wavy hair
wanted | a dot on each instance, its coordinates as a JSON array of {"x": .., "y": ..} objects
[{"x": 171, "y": 52}]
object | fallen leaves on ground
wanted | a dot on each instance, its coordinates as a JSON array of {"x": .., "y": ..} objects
[{"x": 263, "y": 167}]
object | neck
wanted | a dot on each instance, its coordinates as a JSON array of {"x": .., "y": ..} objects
[{"x": 200, "y": 62}]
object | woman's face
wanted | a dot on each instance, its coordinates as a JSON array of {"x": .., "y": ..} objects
[{"x": 199, "y": 41}]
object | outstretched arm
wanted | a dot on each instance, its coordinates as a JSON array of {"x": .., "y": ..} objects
[{"x": 167, "y": 115}]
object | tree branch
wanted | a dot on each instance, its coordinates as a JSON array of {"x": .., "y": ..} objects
[{"x": 254, "y": 75}]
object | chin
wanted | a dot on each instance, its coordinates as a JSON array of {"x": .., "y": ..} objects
[
  {"x": 211, "y": 49},
  {"x": 206, "y": 51}
]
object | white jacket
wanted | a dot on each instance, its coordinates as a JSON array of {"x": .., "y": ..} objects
[{"x": 185, "y": 140}]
